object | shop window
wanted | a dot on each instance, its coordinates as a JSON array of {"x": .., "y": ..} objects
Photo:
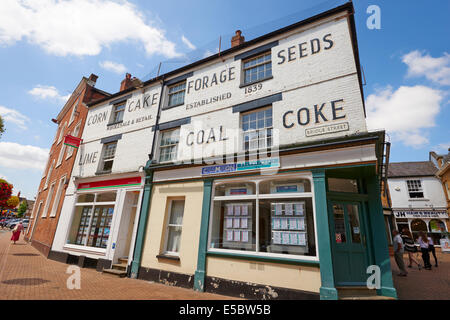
[
  {"x": 176, "y": 94},
  {"x": 263, "y": 223},
  {"x": 92, "y": 219},
  {"x": 174, "y": 227},
  {"x": 342, "y": 185},
  {"x": 257, "y": 129},
  {"x": 257, "y": 68},
  {"x": 282, "y": 186},
  {"x": 436, "y": 228},
  {"x": 234, "y": 189},
  {"x": 415, "y": 188},
  {"x": 109, "y": 151},
  {"x": 169, "y": 145},
  {"x": 418, "y": 225}
]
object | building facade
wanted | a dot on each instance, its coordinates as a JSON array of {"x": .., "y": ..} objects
[
  {"x": 263, "y": 181},
  {"x": 418, "y": 199},
  {"x": 102, "y": 202},
  {"x": 249, "y": 173},
  {"x": 52, "y": 188}
]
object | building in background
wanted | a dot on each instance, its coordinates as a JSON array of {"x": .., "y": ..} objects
[
  {"x": 101, "y": 205},
  {"x": 417, "y": 198},
  {"x": 52, "y": 188}
]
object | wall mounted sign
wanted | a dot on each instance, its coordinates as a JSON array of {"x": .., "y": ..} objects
[
  {"x": 242, "y": 166},
  {"x": 114, "y": 183},
  {"x": 72, "y": 141},
  {"x": 421, "y": 214}
]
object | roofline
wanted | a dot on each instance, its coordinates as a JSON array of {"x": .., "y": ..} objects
[{"x": 348, "y": 6}]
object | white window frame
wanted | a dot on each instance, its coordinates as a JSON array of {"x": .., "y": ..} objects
[
  {"x": 256, "y": 196},
  {"x": 257, "y": 130},
  {"x": 61, "y": 184},
  {"x": 265, "y": 62},
  {"x": 114, "y": 112},
  {"x": 38, "y": 207},
  {"x": 74, "y": 110},
  {"x": 49, "y": 199},
  {"x": 168, "y": 226},
  {"x": 170, "y": 94},
  {"x": 109, "y": 158},
  {"x": 61, "y": 133},
  {"x": 161, "y": 147},
  {"x": 413, "y": 183},
  {"x": 61, "y": 155},
  {"x": 49, "y": 173},
  {"x": 76, "y": 132}
]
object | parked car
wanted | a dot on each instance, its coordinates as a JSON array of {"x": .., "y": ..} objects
[
  {"x": 11, "y": 224},
  {"x": 4, "y": 222},
  {"x": 25, "y": 223}
]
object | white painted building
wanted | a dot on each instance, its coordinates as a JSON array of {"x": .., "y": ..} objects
[{"x": 417, "y": 199}]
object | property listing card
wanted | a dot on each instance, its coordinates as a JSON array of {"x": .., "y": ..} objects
[
  {"x": 237, "y": 235},
  {"x": 237, "y": 210},
  {"x": 276, "y": 223},
  {"x": 244, "y": 210},
  {"x": 288, "y": 209},
  {"x": 229, "y": 235},
  {"x": 301, "y": 224},
  {"x": 229, "y": 210},
  {"x": 278, "y": 209},
  {"x": 244, "y": 237},
  {"x": 302, "y": 238},
  {"x": 284, "y": 224},
  {"x": 229, "y": 222},
  {"x": 285, "y": 238},
  {"x": 277, "y": 237},
  {"x": 244, "y": 223},
  {"x": 299, "y": 209},
  {"x": 236, "y": 222}
]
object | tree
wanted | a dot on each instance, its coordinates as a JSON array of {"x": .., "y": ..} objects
[
  {"x": 22, "y": 208},
  {"x": 12, "y": 202},
  {"x": 5, "y": 192},
  {"x": 2, "y": 126}
]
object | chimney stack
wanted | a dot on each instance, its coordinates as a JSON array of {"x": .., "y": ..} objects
[
  {"x": 93, "y": 78},
  {"x": 126, "y": 83},
  {"x": 237, "y": 39}
]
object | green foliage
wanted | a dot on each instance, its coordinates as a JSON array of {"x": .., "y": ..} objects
[
  {"x": 2, "y": 126},
  {"x": 22, "y": 208}
]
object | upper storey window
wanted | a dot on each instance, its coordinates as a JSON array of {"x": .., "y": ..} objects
[
  {"x": 415, "y": 189},
  {"x": 118, "y": 112},
  {"x": 257, "y": 68},
  {"x": 176, "y": 94}
]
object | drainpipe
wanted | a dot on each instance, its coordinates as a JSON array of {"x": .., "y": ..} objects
[{"x": 146, "y": 199}]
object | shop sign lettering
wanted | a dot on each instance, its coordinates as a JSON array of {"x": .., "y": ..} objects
[
  {"x": 88, "y": 158},
  {"x": 205, "y": 136},
  {"x": 210, "y": 100},
  {"x": 304, "y": 49},
  {"x": 421, "y": 214},
  {"x": 211, "y": 80}
]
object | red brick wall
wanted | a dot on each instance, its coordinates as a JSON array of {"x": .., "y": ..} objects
[{"x": 44, "y": 232}]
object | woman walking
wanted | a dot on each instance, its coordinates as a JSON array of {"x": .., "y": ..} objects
[
  {"x": 424, "y": 247},
  {"x": 16, "y": 232},
  {"x": 410, "y": 248},
  {"x": 432, "y": 250}
]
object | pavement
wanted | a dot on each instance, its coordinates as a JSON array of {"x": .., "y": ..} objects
[
  {"x": 25, "y": 274},
  {"x": 424, "y": 284}
]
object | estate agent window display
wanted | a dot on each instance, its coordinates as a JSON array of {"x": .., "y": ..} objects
[{"x": 264, "y": 216}]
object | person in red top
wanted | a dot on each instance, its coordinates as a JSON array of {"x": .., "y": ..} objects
[{"x": 16, "y": 232}]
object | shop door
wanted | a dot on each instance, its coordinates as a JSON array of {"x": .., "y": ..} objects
[{"x": 348, "y": 238}]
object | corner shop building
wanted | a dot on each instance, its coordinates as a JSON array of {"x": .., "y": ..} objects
[{"x": 266, "y": 187}]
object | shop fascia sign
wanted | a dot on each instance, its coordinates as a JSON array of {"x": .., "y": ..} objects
[
  {"x": 421, "y": 214},
  {"x": 242, "y": 166}
]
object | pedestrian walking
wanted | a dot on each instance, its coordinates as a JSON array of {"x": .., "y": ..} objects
[
  {"x": 425, "y": 248},
  {"x": 432, "y": 250},
  {"x": 398, "y": 253},
  {"x": 16, "y": 232},
  {"x": 410, "y": 248}
]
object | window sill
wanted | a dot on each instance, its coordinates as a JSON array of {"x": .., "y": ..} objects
[
  {"x": 113, "y": 123},
  {"x": 255, "y": 82},
  {"x": 263, "y": 258},
  {"x": 169, "y": 257},
  {"x": 174, "y": 106},
  {"x": 98, "y": 173}
]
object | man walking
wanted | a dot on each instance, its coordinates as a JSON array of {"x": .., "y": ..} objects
[{"x": 398, "y": 253}]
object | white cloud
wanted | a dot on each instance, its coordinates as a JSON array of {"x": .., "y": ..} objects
[
  {"x": 113, "y": 67},
  {"x": 404, "y": 113},
  {"x": 434, "y": 69},
  {"x": 188, "y": 43},
  {"x": 13, "y": 116},
  {"x": 18, "y": 156},
  {"x": 441, "y": 148},
  {"x": 48, "y": 92},
  {"x": 79, "y": 27}
]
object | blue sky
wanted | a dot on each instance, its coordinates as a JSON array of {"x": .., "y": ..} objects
[{"x": 46, "y": 47}]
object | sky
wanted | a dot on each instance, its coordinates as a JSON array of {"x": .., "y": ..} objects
[{"x": 47, "y": 46}]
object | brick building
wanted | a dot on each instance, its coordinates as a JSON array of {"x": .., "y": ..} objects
[{"x": 52, "y": 188}]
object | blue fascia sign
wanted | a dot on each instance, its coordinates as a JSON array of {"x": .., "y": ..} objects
[{"x": 242, "y": 166}]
